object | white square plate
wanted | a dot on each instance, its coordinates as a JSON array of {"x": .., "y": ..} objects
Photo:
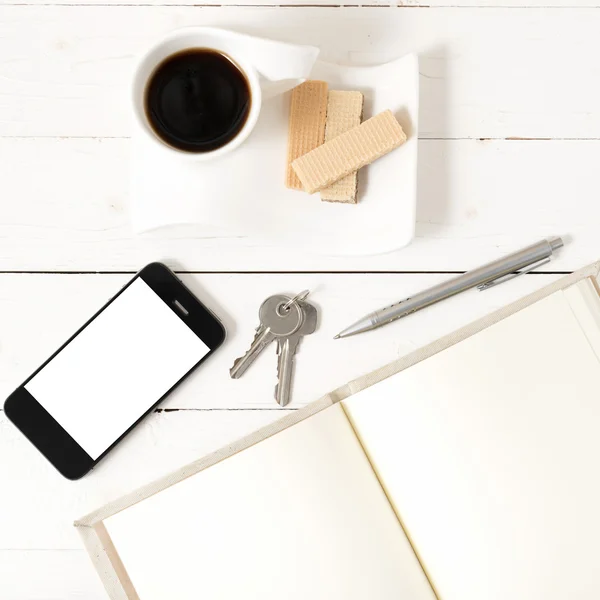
[{"x": 243, "y": 192}]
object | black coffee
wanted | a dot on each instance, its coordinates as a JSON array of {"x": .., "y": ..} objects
[{"x": 197, "y": 100}]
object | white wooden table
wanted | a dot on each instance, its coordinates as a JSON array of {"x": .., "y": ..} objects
[{"x": 509, "y": 153}]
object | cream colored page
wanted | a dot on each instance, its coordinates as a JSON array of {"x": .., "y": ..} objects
[
  {"x": 585, "y": 303},
  {"x": 489, "y": 452},
  {"x": 299, "y": 516}
]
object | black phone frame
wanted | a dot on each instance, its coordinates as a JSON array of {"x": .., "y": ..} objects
[{"x": 47, "y": 435}]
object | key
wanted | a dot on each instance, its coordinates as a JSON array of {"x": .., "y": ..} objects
[
  {"x": 275, "y": 323},
  {"x": 286, "y": 350}
]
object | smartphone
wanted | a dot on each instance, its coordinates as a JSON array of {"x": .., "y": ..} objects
[{"x": 127, "y": 358}]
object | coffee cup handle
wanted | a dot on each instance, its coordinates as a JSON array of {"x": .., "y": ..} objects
[
  {"x": 280, "y": 66},
  {"x": 270, "y": 89}
]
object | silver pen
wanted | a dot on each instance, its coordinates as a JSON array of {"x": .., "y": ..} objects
[{"x": 484, "y": 277}]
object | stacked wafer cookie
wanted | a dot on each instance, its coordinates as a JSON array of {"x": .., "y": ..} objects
[
  {"x": 344, "y": 112},
  {"x": 327, "y": 143},
  {"x": 308, "y": 116}
]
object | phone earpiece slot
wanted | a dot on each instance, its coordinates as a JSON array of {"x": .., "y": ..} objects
[{"x": 182, "y": 309}]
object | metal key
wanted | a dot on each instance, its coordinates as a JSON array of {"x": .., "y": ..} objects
[
  {"x": 286, "y": 350},
  {"x": 275, "y": 323}
]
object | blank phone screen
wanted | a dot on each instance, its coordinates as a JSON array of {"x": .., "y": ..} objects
[{"x": 119, "y": 366}]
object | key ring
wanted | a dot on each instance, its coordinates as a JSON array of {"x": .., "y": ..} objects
[{"x": 297, "y": 298}]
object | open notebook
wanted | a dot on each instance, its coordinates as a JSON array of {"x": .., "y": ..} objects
[{"x": 470, "y": 475}]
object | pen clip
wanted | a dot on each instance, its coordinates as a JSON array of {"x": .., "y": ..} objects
[{"x": 486, "y": 286}]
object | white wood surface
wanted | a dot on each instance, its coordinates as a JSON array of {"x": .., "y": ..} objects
[
  {"x": 493, "y": 73},
  {"x": 476, "y": 200},
  {"x": 53, "y": 306},
  {"x": 208, "y": 411},
  {"x": 510, "y": 130},
  {"x": 64, "y": 73},
  {"x": 327, "y": 3},
  {"x": 53, "y": 575}
]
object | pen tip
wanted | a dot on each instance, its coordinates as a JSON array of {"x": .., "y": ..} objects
[{"x": 336, "y": 337}]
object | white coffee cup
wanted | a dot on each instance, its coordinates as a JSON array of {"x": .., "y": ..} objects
[{"x": 270, "y": 68}]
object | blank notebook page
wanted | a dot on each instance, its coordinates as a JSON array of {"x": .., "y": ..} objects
[
  {"x": 299, "y": 516},
  {"x": 490, "y": 454}
]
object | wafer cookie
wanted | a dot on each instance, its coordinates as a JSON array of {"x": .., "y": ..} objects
[
  {"x": 344, "y": 111},
  {"x": 349, "y": 152},
  {"x": 308, "y": 112}
]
